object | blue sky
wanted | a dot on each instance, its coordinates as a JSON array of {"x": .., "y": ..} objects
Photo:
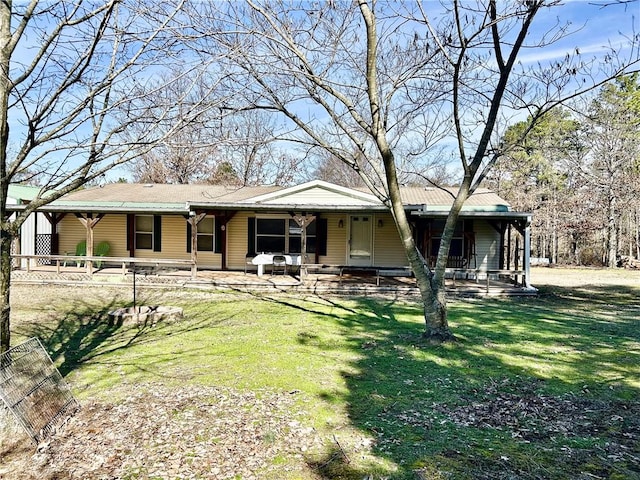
[{"x": 594, "y": 26}]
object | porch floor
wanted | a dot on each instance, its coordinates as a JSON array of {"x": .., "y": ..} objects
[{"x": 348, "y": 284}]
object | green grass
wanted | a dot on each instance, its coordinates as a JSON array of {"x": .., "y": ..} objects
[{"x": 536, "y": 388}]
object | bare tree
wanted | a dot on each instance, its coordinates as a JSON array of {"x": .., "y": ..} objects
[
  {"x": 189, "y": 150},
  {"x": 359, "y": 79},
  {"x": 215, "y": 143},
  {"x": 67, "y": 68},
  {"x": 250, "y": 144},
  {"x": 325, "y": 166}
]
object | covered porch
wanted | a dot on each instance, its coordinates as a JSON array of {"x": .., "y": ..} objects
[{"x": 321, "y": 279}]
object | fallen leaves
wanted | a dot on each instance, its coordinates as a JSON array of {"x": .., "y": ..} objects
[{"x": 188, "y": 433}]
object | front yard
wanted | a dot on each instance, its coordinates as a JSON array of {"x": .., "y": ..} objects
[{"x": 281, "y": 387}]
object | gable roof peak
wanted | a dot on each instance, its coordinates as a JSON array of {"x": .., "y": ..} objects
[{"x": 315, "y": 185}]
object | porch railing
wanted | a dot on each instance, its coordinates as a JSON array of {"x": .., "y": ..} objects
[{"x": 125, "y": 262}]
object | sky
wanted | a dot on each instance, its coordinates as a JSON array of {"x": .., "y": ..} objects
[{"x": 594, "y": 26}]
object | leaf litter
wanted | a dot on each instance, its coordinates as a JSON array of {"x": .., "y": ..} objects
[{"x": 187, "y": 433}]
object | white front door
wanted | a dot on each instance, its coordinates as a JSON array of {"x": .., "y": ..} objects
[{"x": 360, "y": 240}]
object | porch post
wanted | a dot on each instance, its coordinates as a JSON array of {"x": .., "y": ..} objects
[
  {"x": 302, "y": 221},
  {"x": 508, "y": 248},
  {"x": 527, "y": 253},
  {"x": 54, "y": 219},
  {"x": 222, "y": 219},
  {"x": 193, "y": 220},
  {"x": 89, "y": 223}
]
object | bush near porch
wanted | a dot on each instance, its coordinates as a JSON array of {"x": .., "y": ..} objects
[{"x": 280, "y": 387}]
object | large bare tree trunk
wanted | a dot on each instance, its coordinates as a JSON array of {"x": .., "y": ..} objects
[
  {"x": 5, "y": 291},
  {"x": 392, "y": 95},
  {"x": 431, "y": 287},
  {"x": 5, "y": 237}
]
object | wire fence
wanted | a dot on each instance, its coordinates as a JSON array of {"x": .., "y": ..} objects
[{"x": 33, "y": 389}]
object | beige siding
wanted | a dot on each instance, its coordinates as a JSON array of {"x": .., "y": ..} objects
[
  {"x": 336, "y": 239},
  {"x": 387, "y": 247},
  {"x": 112, "y": 228},
  {"x": 237, "y": 232},
  {"x": 318, "y": 196},
  {"x": 173, "y": 242},
  {"x": 71, "y": 232},
  {"x": 487, "y": 245}
]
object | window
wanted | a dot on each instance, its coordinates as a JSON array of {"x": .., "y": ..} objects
[
  {"x": 456, "y": 249},
  {"x": 270, "y": 235},
  {"x": 283, "y": 235},
  {"x": 144, "y": 232},
  {"x": 205, "y": 235},
  {"x": 295, "y": 237}
]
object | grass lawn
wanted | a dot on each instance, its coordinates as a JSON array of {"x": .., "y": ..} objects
[{"x": 535, "y": 388}]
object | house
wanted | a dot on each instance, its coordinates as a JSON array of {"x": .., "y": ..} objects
[
  {"x": 35, "y": 235},
  {"x": 218, "y": 226}
]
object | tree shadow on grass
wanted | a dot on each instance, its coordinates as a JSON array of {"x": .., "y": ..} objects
[
  {"x": 540, "y": 388},
  {"x": 84, "y": 332}
]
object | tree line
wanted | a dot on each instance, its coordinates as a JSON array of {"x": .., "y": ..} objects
[{"x": 578, "y": 172}]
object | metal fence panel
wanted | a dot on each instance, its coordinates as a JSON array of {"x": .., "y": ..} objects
[{"x": 33, "y": 389}]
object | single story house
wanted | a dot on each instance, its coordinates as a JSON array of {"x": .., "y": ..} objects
[{"x": 218, "y": 227}]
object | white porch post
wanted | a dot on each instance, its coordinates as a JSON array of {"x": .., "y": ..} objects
[{"x": 527, "y": 253}]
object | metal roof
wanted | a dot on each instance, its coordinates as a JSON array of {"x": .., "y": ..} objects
[
  {"x": 180, "y": 199},
  {"x": 21, "y": 193}
]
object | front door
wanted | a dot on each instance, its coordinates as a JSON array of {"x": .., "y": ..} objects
[{"x": 360, "y": 240}]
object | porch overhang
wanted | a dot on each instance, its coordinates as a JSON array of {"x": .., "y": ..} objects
[{"x": 473, "y": 213}]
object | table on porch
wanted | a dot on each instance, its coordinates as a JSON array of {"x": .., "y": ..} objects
[{"x": 263, "y": 259}]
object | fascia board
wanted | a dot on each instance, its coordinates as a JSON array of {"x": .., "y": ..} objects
[{"x": 338, "y": 189}]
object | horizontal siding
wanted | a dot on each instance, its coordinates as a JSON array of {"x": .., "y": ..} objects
[
  {"x": 70, "y": 233},
  {"x": 336, "y": 239},
  {"x": 487, "y": 246},
  {"x": 112, "y": 229},
  {"x": 174, "y": 244},
  {"x": 387, "y": 247},
  {"x": 174, "y": 240},
  {"x": 237, "y": 233}
]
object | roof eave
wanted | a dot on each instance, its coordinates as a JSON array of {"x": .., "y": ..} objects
[
  {"x": 286, "y": 207},
  {"x": 472, "y": 214}
]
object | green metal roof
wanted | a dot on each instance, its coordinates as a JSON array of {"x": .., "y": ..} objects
[{"x": 23, "y": 192}]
